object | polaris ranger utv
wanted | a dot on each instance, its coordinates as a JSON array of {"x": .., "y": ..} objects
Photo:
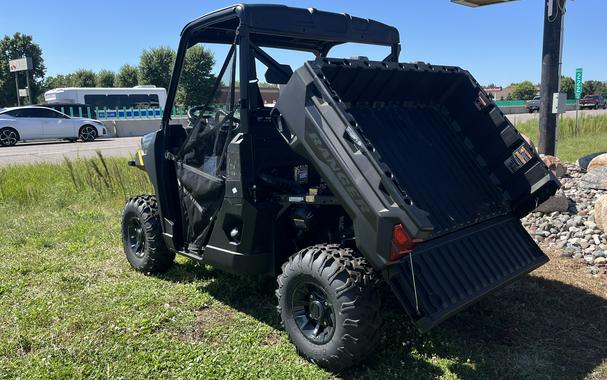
[{"x": 363, "y": 173}]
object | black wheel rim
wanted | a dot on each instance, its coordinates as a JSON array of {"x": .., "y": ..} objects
[
  {"x": 8, "y": 137},
  {"x": 88, "y": 134},
  {"x": 313, "y": 313},
  {"x": 136, "y": 237}
]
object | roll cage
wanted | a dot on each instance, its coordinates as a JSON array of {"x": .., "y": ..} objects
[{"x": 276, "y": 26}]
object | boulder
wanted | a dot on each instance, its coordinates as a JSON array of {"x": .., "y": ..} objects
[
  {"x": 595, "y": 179},
  {"x": 583, "y": 162},
  {"x": 555, "y": 165},
  {"x": 600, "y": 212},
  {"x": 599, "y": 161},
  {"x": 558, "y": 203}
]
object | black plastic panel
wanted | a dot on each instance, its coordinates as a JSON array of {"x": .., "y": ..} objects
[
  {"x": 432, "y": 163},
  {"x": 453, "y": 271},
  {"x": 434, "y": 127}
]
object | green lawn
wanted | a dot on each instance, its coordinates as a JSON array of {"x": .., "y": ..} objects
[{"x": 71, "y": 307}]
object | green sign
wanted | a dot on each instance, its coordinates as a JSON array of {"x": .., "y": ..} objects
[{"x": 578, "y": 83}]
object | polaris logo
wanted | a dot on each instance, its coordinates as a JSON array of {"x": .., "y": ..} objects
[{"x": 332, "y": 163}]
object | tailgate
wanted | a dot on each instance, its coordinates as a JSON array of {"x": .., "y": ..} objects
[{"x": 451, "y": 272}]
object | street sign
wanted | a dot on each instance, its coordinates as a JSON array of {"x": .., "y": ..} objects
[
  {"x": 578, "y": 83},
  {"x": 493, "y": 89},
  {"x": 23, "y": 92},
  {"x": 21, "y": 64}
]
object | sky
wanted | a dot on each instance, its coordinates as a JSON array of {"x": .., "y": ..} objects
[{"x": 498, "y": 44}]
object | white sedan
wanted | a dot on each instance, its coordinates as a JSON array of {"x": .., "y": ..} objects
[{"x": 39, "y": 123}]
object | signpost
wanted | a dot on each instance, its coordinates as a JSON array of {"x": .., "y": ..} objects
[
  {"x": 578, "y": 95},
  {"x": 21, "y": 64}
]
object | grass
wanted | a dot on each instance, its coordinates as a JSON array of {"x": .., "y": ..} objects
[
  {"x": 71, "y": 307},
  {"x": 572, "y": 144}
]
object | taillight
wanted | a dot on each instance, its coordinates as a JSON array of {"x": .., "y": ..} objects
[{"x": 402, "y": 243}]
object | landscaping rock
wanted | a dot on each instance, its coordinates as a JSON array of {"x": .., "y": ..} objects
[
  {"x": 554, "y": 164},
  {"x": 558, "y": 203},
  {"x": 595, "y": 179},
  {"x": 600, "y": 261},
  {"x": 599, "y": 161},
  {"x": 584, "y": 161},
  {"x": 576, "y": 230}
]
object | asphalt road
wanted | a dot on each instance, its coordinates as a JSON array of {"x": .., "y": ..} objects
[{"x": 55, "y": 151}]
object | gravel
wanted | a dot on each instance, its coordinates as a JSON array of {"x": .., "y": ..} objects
[{"x": 573, "y": 231}]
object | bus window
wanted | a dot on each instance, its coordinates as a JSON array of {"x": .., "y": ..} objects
[{"x": 98, "y": 101}]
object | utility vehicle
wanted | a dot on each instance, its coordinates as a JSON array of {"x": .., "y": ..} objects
[{"x": 363, "y": 174}]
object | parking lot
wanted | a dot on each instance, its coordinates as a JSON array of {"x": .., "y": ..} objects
[{"x": 56, "y": 151}]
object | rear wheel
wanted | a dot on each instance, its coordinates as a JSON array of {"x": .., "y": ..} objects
[
  {"x": 87, "y": 133},
  {"x": 142, "y": 236},
  {"x": 8, "y": 136},
  {"x": 329, "y": 304}
]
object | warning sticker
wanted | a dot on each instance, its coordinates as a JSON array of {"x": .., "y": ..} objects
[{"x": 519, "y": 158}]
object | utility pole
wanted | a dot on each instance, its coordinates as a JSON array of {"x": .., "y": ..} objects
[
  {"x": 551, "y": 73},
  {"x": 29, "y": 91},
  {"x": 17, "y": 89}
]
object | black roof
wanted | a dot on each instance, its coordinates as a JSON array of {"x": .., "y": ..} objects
[{"x": 281, "y": 26}]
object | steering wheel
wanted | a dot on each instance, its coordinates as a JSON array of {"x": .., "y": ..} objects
[
  {"x": 196, "y": 115},
  {"x": 220, "y": 112}
]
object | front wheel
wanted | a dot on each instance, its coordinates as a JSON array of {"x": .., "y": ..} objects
[
  {"x": 8, "y": 136},
  {"x": 87, "y": 133},
  {"x": 142, "y": 236},
  {"x": 329, "y": 304}
]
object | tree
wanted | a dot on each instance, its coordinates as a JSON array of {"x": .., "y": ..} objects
[
  {"x": 58, "y": 81},
  {"x": 594, "y": 87},
  {"x": 568, "y": 87},
  {"x": 156, "y": 65},
  {"x": 17, "y": 46},
  {"x": 127, "y": 76},
  {"x": 523, "y": 91},
  {"x": 105, "y": 78},
  {"x": 84, "y": 78},
  {"x": 196, "y": 80}
]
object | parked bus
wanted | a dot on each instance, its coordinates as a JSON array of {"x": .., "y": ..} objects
[{"x": 137, "y": 101}]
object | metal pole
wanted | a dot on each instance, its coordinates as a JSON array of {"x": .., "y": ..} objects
[
  {"x": 17, "y": 87},
  {"x": 550, "y": 74},
  {"x": 577, "y": 121},
  {"x": 29, "y": 91}
]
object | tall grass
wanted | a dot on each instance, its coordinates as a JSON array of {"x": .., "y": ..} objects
[
  {"x": 590, "y": 137},
  {"x": 97, "y": 178},
  {"x": 588, "y": 125}
]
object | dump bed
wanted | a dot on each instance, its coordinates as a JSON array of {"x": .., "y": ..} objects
[{"x": 422, "y": 146}]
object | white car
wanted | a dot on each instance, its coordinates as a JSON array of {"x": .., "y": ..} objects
[{"x": 39, "y": 123}]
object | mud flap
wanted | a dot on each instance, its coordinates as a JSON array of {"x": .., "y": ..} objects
[{"x": 447, "y": 274}]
